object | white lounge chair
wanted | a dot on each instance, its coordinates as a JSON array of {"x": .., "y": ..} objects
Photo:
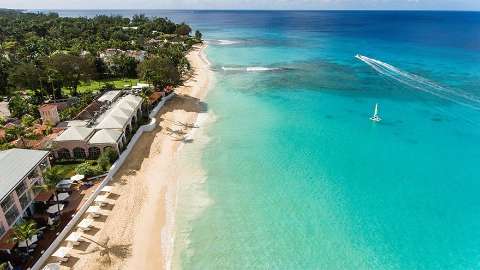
[
  {"x": 62, "y": 253},
  {"x": 107, "y": 189},
  {"x": 85, "y": 224},
  {"x": 94, "y": 211},
  {"x": 101, "y": 200},
  {"x": 74, "y": 238}
]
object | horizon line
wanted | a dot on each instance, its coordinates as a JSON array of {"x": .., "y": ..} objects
[{"x": 246, "y": 9}]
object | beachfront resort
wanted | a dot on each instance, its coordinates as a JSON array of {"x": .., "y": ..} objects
[
  {"x": 103, "y": 129},
  {"x": 69, "y": 118}
]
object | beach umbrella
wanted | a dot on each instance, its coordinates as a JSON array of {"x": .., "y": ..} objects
[
  {"x": 62, "y": 196},
  {"x": 77, "y": 177},
  {"x": 53, "y": 209}
]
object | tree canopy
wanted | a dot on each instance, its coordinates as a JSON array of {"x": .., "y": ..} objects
[{"x": 46, "y": 53}]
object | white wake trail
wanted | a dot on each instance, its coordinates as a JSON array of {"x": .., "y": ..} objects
[{"x": 422, "y": 84}]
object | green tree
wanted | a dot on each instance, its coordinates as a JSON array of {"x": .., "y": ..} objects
[
  {"x": 159, "y": 71},
  {"x": 103, "y": 162},
  {"x": 123, "y": 66},
  {"x": 51, "y": 177},
  {"x": 110, "y": 155},
  {"x": 72, "y": 69},
  {"x": 19, "y": 106},
  {"x": 26, "y": 76},
  {"x": 24, "y": 231},
  {"x": 27, "y": 120},
  {"x": 17, "y": 131},
  {"x": 5, "y": 65},
  {"x": 183, "y": 29},
  {"x": 198, "y": 35}
]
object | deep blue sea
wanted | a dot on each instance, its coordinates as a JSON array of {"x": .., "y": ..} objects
[{"x": 300, "y": 178}]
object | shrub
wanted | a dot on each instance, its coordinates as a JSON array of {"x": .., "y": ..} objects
[
  {"x": 27, "y": 120},
  {"x": 103, "y": 162},
  {"x": 88, "y": 168},
  {"x": 110, "y": 154}
]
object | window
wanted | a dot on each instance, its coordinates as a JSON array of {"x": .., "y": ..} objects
[
  {"x": 63, "y": 154},
  {"x": 79, "y": 153},
  {"x": 2, "y": 230},
  {"x": 11, "y": 215},
  {"x": 25, "y": 199},
  {"x": 7, "y": 203},
  {"x": 93, "y": 152},
  {"x": 33, "y": 174},
  {"x": 20, "y": 189}
]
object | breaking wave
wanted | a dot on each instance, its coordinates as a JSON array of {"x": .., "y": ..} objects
[
  {"x": 251, "y": 69},
  {"x": 422, "y": 84}
]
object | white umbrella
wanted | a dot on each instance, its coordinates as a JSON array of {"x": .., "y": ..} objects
[
  {"x": 64, "y": 183},
  {"x": 32, "y": 240},
  {"x": 77, "y": 177},
  {"x": 54, "y": 208},
  {"x": 63, "y": 196},
  {"x": 52, "y": 266}
]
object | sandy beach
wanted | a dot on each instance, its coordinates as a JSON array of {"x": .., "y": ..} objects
[{"x": 137, "y": 230}]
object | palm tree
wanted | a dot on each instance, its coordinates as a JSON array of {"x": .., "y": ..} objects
[
  {"x": 24, "y": 231},
  {"x": 108, "y": 250},
  {"x": 51, "y": 177}
]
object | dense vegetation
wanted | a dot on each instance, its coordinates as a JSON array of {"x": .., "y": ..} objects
[{"x": 45, "y": 53}]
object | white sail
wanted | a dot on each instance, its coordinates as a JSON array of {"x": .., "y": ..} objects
[{"x": 375, "y": 117}]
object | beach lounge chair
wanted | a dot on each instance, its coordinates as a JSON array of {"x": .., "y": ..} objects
[
  {"x": 62, "y": 253},
  {"x": 94, "y": 211},
  {"x": 85, "y": 224},
  {"x": 51, "y": 266},
  {"x": 74, "y": 238},
  {"x": 101, "y": 200},
  {"x": 107, "y": 189}
]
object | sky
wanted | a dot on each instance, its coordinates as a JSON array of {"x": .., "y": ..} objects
[{"x": 244, "y": 4}]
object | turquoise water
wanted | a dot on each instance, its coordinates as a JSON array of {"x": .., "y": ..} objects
[
  {"x": 301, "y": 179},
  {"x": 298, "y": 176}
]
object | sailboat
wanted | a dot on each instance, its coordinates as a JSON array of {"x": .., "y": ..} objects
[{"x": 375, "y": 117}]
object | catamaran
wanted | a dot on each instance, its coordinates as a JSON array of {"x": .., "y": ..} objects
[{"x": 375, "y": 117}]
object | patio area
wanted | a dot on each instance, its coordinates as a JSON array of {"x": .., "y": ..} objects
[{"x": 71, "y": 200}]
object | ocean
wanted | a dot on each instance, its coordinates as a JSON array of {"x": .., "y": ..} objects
[{"x": 298, "y": 176}]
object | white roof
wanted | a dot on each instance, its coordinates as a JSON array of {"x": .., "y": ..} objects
[
  {"x": 120, "y": 113},
  {"x": 109, "y": 96},
  {"x": 15, "y": 164},
  {"x": 77, "y": 123},
  {"x": 75, "y": 134},
  {"x": 106, "y": 136}
]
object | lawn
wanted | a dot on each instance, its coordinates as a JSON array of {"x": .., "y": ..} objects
[
  {"x": 66, "y": 170},
  {"x": 95, "y": 85}
]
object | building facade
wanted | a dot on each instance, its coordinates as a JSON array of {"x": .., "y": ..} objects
[
  {"x": 21, "y": 171},
  {"x": 110, "y": 129}
]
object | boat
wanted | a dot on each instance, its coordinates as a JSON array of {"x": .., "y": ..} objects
[{"x": 375, "y": 117}]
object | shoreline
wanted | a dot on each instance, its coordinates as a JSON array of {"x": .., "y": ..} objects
[{"x": 139, "y": 230}]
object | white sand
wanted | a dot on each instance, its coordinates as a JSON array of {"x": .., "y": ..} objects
[{"x": 138, "y": 232}]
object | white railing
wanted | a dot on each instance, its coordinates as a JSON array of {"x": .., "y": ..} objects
[{"x": 113, "y": 170}]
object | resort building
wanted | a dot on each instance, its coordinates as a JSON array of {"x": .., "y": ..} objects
[
  {"x": 49, "y": 114},
  {"x": 107, "y": 55},
  {"x": 21, "y": 170},
  {"x": 109, "y": 127}
]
